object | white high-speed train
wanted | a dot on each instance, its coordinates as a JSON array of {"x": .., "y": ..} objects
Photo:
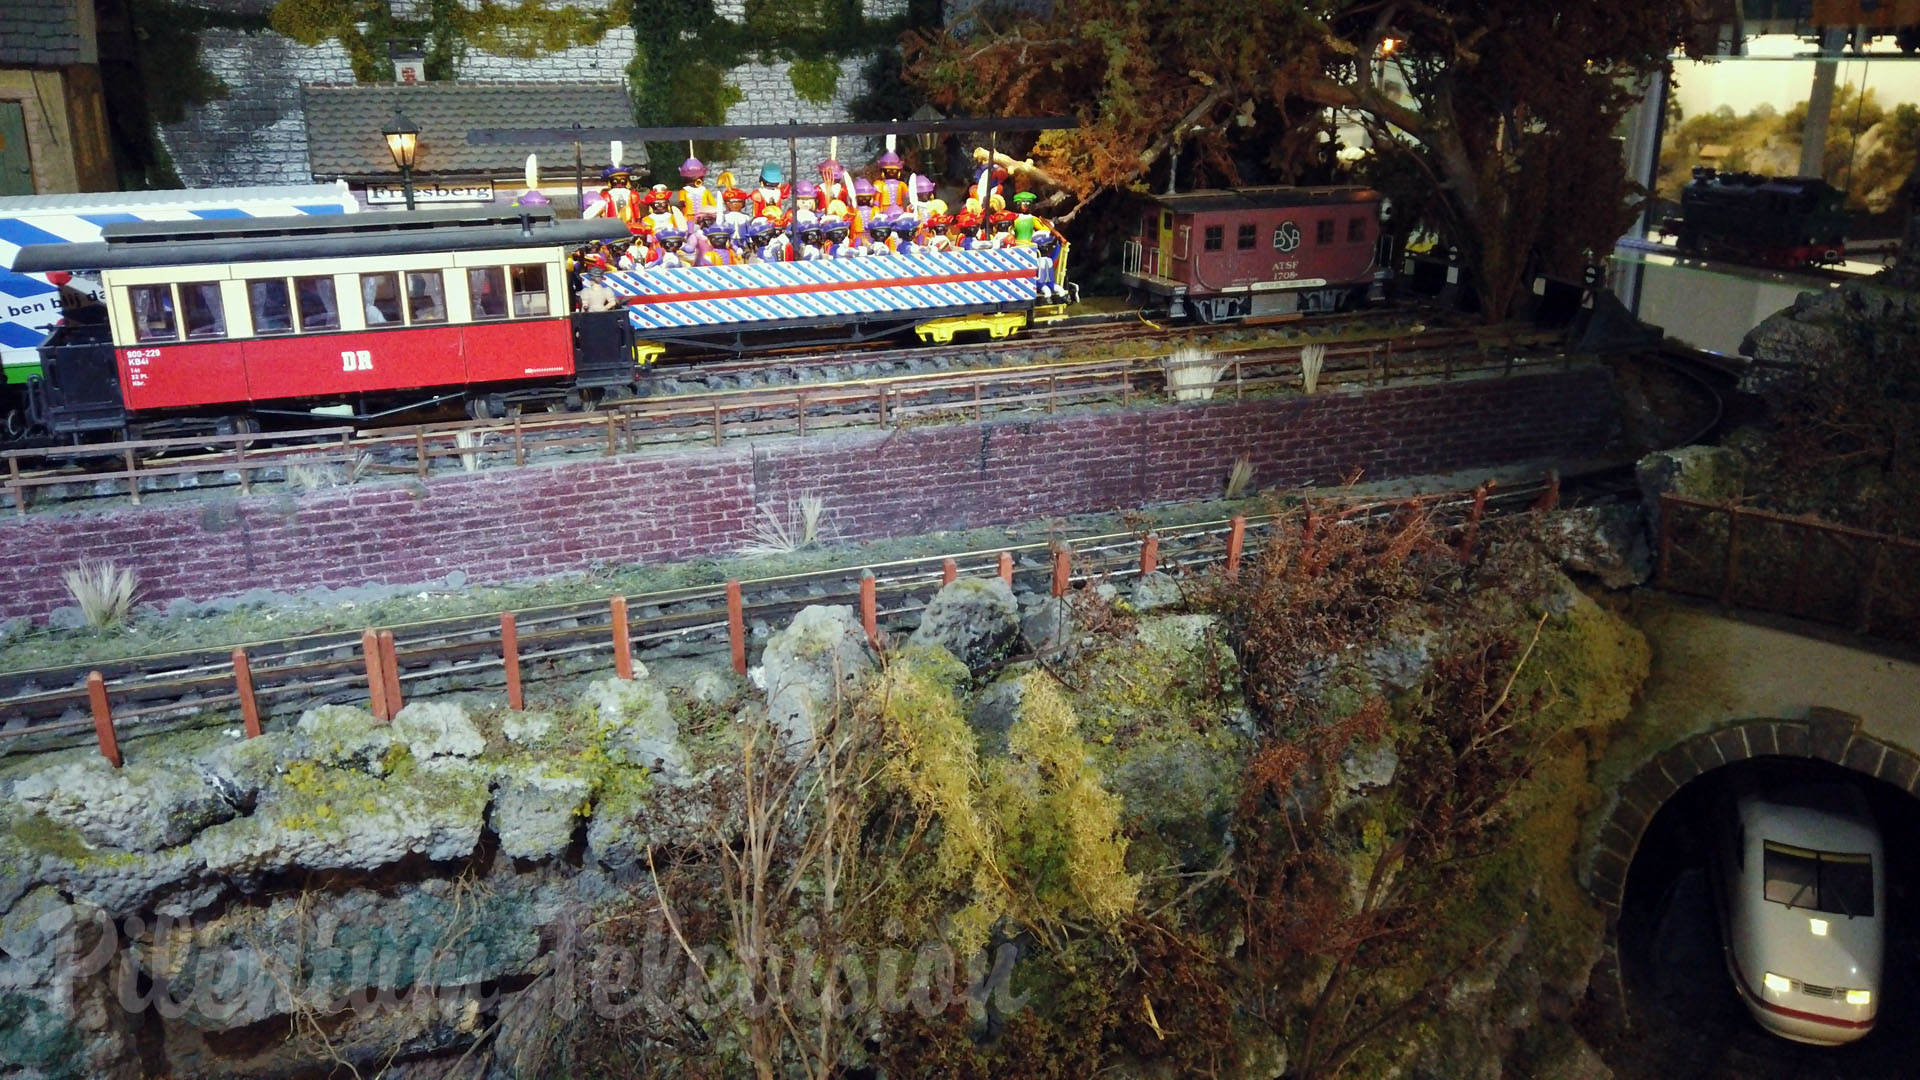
[{"x": 1802, "y": 899}]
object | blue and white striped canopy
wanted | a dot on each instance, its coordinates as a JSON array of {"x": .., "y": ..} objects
[{"x": 699, "y": 297}]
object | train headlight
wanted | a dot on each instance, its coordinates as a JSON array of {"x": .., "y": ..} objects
[
  {"x": 1778, "y": 984},
  {"x": 1819, "y": 927},
  {"x": 1859, "y": 997}
]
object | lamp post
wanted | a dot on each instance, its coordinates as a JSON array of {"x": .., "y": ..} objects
[
  {"x": 403, "y": 141},
  {"x": 927, "y": 140}
]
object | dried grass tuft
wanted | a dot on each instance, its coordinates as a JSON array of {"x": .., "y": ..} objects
[
  {"x": 775, "y": 534},
  {"x": 1191, "y": 375},
  {"x": 1312, "y": 357},
  {"x": 103, "y": 591},
  {"x": 1239, "y": 477}
]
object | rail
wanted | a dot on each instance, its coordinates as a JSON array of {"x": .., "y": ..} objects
[
  {"x": 336, "y": 455},
  {"x": 1865, "y": 581},
  {"x": 503, "y": 649}
]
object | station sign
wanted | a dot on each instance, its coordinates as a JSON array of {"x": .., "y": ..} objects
[{"x": 391, "y": 194}]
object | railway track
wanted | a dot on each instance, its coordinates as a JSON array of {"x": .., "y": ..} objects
[
  {"x": 464, "y": 653},
  {"x": 331, "y": 456}
]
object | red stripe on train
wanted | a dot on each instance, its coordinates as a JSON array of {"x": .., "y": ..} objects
[{"x": 835, "y": 286}]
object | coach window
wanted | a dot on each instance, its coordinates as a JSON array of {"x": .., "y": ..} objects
[
  {"x": 529, "y": 291},
  {"x": 153, "y": 313},
  {"x": 1216, "y": 237},
  {"x": 1356, "y": 230},
  {"x": 271, "y": 307},
  {"x": 319, "y": 309},
  {"x": 426, "y": 297},
  {"x": 488, "y": 287},
  {"x": 380, "y": 296},
  {"x": 1324, "y": 233},
  {"x": 200, "y": 309},
  {"x": 1245, "y": 242}
]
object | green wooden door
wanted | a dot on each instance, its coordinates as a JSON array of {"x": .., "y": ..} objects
[{"x": 16, "y": 168}]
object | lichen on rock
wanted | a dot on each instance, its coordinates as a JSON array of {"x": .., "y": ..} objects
[
  {"x": 144, "y": 806},
  {"x": 975, "y": 619}
]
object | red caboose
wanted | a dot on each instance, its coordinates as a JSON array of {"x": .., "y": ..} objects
[{"x": 1231, "y": 254}]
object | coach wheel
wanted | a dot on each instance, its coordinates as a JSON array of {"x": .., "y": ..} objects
[
  {"x": 1830, "y": 255},
  {"x": 486, "y": 407}
]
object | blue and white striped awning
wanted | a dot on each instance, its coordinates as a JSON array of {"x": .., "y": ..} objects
[{"x": 828, "y": 289}]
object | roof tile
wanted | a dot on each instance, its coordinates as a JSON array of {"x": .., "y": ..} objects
[{"x": 344, "y": 124}]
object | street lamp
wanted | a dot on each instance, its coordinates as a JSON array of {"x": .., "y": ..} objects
[
  {"x": 403, "y": 140},
  {"x": 927, "y": 140}
]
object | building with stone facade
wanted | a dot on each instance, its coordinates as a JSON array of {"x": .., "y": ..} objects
[
  {"x": 261, "y": 130},
  {"x": 53, "y": 118}
]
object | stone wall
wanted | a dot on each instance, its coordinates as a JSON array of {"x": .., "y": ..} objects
[
  {"x": 257, "y": 133},
  {"x": 514, "y": 524}
]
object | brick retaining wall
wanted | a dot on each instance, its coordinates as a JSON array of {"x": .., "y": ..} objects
[{"x": 511, "y": 524}]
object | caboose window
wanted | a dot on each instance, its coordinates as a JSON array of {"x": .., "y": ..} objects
[
  {"x": 272, "y": 310},
  {"x": 153, "y": 313},
  {"x": 529, "y": 290},
  {"x": 488, "y": 287},
  {"x": 1246, "y": 237},
  {"x": 201, "y": 310},
  {"x": 319, "y": 310},
  {"x": 1356, "y": 230},
  {"x": 426, "y": 297},
  {"x": 1216, "y": 237},
  {"x": 380, "y": 295},
  {"x": 1323, "y": 233}
]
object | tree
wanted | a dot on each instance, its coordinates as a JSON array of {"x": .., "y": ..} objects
[{"x": 1503, "y": 111}]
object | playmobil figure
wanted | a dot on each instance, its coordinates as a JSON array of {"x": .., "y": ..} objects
[
  {"x": 736, "y": 216},
  {"x": 660, "y": 214},
  {"x": 892, "y": 192},
  {"x": 669, "y": 255},
  {"x": 616, "y": 196},
  {"x": 594, "y": 293},
  {"x": 811, "y": 242},
  {"x": 836, "y": 229},
  {"x": 779, "y": 241},
  {"x": 1046, "y": 247},
  {"x": 833, "y": 183},
  {"x": 771, "y": 192},
  {"x": 720, "y": 247},
  {"x": 863, "y": 208},
  {"x": 1024, "y": 223},
  {"x": 806, "y": 202},
  {"x": 696, "y": 198}
]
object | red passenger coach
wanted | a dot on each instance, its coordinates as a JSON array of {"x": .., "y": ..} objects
[
  {"x": 1240, "y": 252},
  {"x": 374, "y": 312}
]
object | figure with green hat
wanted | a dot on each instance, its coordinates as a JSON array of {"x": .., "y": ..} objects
[{"x": 1024, "y": 223}]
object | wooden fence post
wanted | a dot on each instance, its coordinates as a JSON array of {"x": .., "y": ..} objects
[
  {"x": 1006, "y": 568},
  {"x": 510, "y": 659},
  {"x": 390, "y": 667},
  {"x": 1472, "y": 531},
  {"x": 737, "y": 627},
  {"x": 376, "y": 680},
  {"x": 1236, "y": 540},
  {"x": 1149, "y": 555},
  {"x": 949, "y": 571},
  {"x": 243, "y": 685},
  {"x": 1731, "y": 571},
  {"x": 870, "y": 608},
  {"x": 1062, "y": 566},
  {"x": 103, "y": 718},
  {"x": 622, "y": 639}
]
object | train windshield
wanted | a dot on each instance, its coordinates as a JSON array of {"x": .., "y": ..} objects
[{"x": 1834, "y": 882}]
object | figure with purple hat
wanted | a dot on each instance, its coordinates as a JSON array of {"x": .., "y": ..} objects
[
  {"x": 833, "y": 178},
  {"x": 806, "y": 202},
  {"x": 893, "y": 193},
  {"x": 696, "y": 198},
  {"x": 616, "y": 196},
  {"x": 669, "y": 255},
  {"x": 862, "y": 212}
]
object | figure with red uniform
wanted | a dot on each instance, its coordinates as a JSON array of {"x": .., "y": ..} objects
[
  {"x": 660, "y": 214},
  {"x": 833, "y": 184},
  {"x": 616, "y": 197},
  {"x": 771, "y": 192},
  {"x": 735, "y": 216},
  {"x": 939, "y": 233}
]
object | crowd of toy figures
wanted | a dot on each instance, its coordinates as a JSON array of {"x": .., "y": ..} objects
[{"x": 839, "y": 216}]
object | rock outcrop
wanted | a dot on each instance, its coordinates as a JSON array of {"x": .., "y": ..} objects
[{"x": 975, "y": 619}]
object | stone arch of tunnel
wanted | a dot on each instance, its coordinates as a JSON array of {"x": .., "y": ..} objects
[{"x": 1825, "y": 735}]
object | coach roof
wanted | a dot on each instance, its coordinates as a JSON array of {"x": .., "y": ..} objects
[{"x": 231, "y": 240}]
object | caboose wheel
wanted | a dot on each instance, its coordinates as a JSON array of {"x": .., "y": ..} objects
[{"x": 486, "y": 407}]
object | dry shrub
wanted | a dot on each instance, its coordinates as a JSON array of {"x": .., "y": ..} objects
[
  {"x": 103, "y": 591},
  {"x": 1239, "y": 477},
  {"x": 1191, "y": 374},
  {"x": 775, "y": 534}
]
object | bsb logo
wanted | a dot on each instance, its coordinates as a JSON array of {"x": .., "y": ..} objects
[{"x": 356, "y": 360}]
